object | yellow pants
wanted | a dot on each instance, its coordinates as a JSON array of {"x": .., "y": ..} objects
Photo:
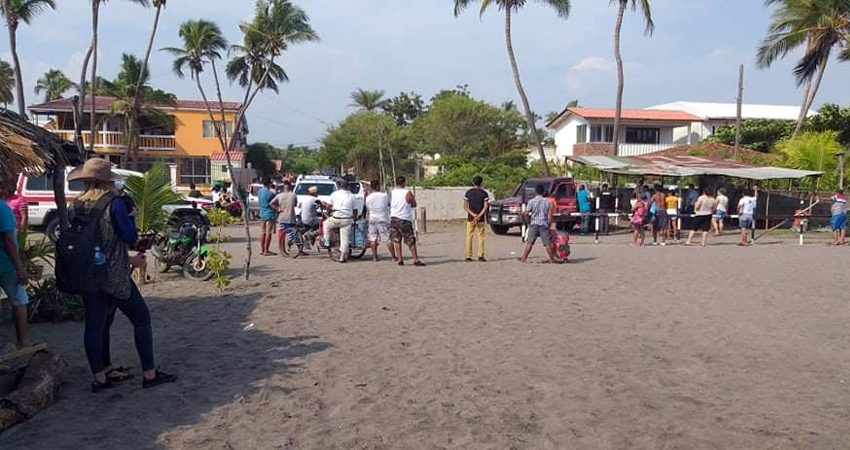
[{"x": 472, "y": 228}]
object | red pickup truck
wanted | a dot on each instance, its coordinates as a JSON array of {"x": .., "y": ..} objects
[{"x": 507, "y": 213}]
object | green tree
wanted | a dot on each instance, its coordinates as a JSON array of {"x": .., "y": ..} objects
[
  {"x": 831, "y": 117},
  {"x": 562, "y": 8},
  {"x": 368, "y": 142},
  {"x": 135, "y": 99},
  {"x": 150, "y": 193},
  {"x": 404, "y": 107},
  {"x": 813, "y": 151},
  {"x": 819, "y": 24},
  {"x": 54, "y": 84},
  {"x": 458, "y": 125},
  {"x": 15, "y": 12},
  {"x": 757, "y": 134},
  {"x": 7, "y": 83},
  {"x": 650, "y": 27},
  {"x": 366, "y": 100},
  {"x": 260, "y": 155},
  {"x": 299, "y": 160}
]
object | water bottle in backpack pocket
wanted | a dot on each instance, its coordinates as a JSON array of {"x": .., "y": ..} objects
[{"x": 81, "y": 265}]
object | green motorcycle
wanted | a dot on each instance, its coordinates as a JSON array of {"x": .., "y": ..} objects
[{"x": 183, "y": 247}]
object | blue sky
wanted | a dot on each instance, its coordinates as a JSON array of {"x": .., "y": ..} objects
[{"x": 418, "y": 45}]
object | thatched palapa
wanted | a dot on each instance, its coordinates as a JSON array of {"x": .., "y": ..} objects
[{"x": 25, "y": 147}]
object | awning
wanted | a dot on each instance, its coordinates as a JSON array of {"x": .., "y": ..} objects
[
  {"x": 219, "y": 156},
  {"x": 686, "y": 165}
]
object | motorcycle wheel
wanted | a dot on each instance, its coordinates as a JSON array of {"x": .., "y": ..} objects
[
  {"x": 296, "y": 249},
  {"x": 356, "y": 254},
  {"x": 196, "y": 269}
]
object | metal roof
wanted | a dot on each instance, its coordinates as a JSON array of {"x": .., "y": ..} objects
[
  {"x": 683, "y": 166},
  {"x": 709, "y": 111}
]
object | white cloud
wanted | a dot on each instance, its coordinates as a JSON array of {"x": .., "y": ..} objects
[{"x": 594, "y": 63}]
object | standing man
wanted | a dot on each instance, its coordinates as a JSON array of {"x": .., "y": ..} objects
[
  {"x": 838, "y": 221},
  {"x": 539, "y": 214},
  {"x": 584, "y": 208},
  {"x": 690, "y": 201},
  {"x": 267, "y": 217},
  {"x": 722, "y": 208},
  {"x": 746, "y": 211},
  {"x": 660, "y": 222},
  {"x": 476, "y": 202},
  {"x": 378, "y": 206},
  {"x": 401, "y": 221},
  {"x": 341, "y": 205},
  {"x": 284, "y": 204},
  {"x": 606, "y": 206},
  {"x": 13, "y": 274}
]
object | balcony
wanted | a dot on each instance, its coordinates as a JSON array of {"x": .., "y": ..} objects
[
  {"x": 607, "y": 149},
  {"x": 114, "y": 140}
]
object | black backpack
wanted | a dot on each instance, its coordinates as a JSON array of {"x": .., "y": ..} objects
[{"x": 75, "y": 270}]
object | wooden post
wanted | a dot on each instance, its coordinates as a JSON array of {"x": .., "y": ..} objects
[
  {"x": 424, "y": 219},
  {"x": 841, "y": 169},
  {"x": 740, "y": 102},
  {"x": 767, "y": 212}
]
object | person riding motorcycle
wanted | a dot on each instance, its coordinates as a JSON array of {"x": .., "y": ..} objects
[
  {"x": 342, "y": 216},
  {"x": 309, "y": 217}
]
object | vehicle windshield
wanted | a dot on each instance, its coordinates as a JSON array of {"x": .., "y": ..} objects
[
  {"x": 527, "y": 190},
  {"x": 324, "y": 188}
]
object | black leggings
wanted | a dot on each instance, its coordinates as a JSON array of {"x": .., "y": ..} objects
[{"x": 100, "y": 313}]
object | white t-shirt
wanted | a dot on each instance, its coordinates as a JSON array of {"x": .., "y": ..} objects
[
  {"x": 308, "y": 210},
  {"x": 342, "y": 204},
  {"x": 722, "y": 203},
  {"x": 747, "y": 205},
  {"x": 399, "y": 208},
  {"x": 378, "y": 204}
]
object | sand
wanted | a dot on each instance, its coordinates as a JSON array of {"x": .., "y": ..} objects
[{"x": 674, "y": 348}]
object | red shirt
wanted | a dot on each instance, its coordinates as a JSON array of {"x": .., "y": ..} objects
[{"x": 19, "y": 208}]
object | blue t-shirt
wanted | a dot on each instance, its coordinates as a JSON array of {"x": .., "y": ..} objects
[
  {"x": 583, "y": 201},
  {"x": 7, "y": 225},
  {"x": 265, "y": 197}
]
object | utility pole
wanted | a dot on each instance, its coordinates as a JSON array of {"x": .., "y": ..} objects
[
  {"x": 841, "y": 156},
  {"x": 740, "y": 102}
]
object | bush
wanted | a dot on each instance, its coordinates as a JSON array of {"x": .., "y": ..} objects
[
  {"x": 218, "y": 262},
  {"x": 48, "y": 304}
]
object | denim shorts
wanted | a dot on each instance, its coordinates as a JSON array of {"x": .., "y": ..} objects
[
  {"x": 745, "y": 221},
  {"x": 537, "y": 230},
  {"x": 838, "y": 222},
  {"x": 16, "y": 292}
]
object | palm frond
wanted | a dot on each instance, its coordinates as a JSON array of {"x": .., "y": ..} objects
[{"x": 150, "y": 193}]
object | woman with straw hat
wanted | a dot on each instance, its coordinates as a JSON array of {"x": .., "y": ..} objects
[{"x": 118, "y": 234}]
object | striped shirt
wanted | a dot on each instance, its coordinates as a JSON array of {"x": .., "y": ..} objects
[{"x": 538, "y": 210}]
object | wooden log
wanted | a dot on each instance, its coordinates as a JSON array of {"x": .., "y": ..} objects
[{"x": 36, "y": 391}]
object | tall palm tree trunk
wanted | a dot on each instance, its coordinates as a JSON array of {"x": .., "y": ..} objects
[
  {"x": 220, "y": 101},
  {"x": 619, "y": 104},
  {"x": 528, "y": 115},
  {"x": 95, "y": 8},
  {"x": 133, "y": 151},
  {"x": 19, "y": 79},
  {"x": 78, "y": 117},
  {"x": 810, "y": 98}
]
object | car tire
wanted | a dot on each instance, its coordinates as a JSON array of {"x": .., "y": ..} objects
[
  {"x": 499, "y": 229},
  {"x": 52, "y": 229}
]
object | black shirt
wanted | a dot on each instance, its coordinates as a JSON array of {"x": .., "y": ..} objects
[
  {"x": 476, "y": 197},
  {"x": 606, "y": 200},
  {"x": 194, "y": 193}
]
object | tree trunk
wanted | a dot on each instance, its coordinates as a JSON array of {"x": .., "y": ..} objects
[
  {"x": 220, "y": 103},
  {"x": 529, "y": 117},
  {"x": 133, "y": 150},
  {"x": 95, "y": 12},
  {"x": 59, "y": 190},
  {"x": 36, "y": 391},
  {"x": 810, "y": 98},
  {"x": 619, "y": 104},
  {"x": 78, "y": 116},
  {"x": 19, "y": 79}
]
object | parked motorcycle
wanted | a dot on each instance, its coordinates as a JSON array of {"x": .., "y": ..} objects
[{"x": 184, "y": 246}]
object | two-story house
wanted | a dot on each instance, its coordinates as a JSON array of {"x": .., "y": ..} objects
[
  {"x": 192, "y": 146},
  {"x": 590, "y": 131}
]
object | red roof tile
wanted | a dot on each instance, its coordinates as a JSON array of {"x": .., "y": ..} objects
[
  {"x": 220, "y": 156},
  {"x": 102, "y": 104},
  {"x": 635, "y": 114}
]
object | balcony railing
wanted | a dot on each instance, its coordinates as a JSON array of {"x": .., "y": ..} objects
[
  {"x": 116, "y": 140},
  {"x": 607, "y": 149}
]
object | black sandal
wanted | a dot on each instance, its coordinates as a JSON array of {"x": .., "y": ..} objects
[
  {"x": 119, "y": 378},
  {"x": 159, "y": 378},
  {"x": 97, "y": 386},
  {"x": 419, "y": 264}
]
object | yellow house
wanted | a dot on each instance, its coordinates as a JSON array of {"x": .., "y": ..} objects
[{"x": 192, "y": 149}]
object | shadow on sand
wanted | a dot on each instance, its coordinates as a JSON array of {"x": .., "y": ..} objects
[{"x": 206, "y": 339}]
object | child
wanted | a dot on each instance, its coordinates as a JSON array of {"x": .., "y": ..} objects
[
  {"x": 673, "y": 212},
  {"x": 637, "y": 220}
]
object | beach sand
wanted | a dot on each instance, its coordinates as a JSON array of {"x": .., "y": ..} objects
[{"x": 675, "y": 348}]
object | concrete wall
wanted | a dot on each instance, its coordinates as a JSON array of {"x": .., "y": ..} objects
[{"x": 442, "y": 203}]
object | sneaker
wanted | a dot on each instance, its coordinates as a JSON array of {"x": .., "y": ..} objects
[
  {"x": 468, "y": 259},
  {"x": 481, "y": 259},
  {"x": 159, "y": 378}
]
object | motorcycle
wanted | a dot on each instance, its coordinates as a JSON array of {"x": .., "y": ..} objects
[
  {"x": 357, "y": 242},
  {"x": 184, "y": 246}
]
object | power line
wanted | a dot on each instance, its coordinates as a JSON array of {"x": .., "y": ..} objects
[{"x": 296, "y": 110}]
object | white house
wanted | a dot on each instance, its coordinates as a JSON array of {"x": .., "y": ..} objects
[
  {"x": 715, "y": 115},
  {"x": 590, "y": 131}
]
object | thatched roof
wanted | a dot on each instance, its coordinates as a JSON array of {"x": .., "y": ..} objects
[{"x": 25, "y": 147}]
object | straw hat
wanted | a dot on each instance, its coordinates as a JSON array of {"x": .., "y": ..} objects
[{"x": 94, "y": 169}]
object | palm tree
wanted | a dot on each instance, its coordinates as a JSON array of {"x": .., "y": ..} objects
[
  {"x": 150, "y": 193},
  {"x": 7, "y": 83},
  {"x": 650, "y": 27},
  {"x": 819, "y": 24},
  {"x": 133, "y": 105},
  {"x": 15, "y": 12},
  {"x": 366, "y": 100},
  {"x": 562, "y": 7},
  {"x": 95, "y": 14},
  {"x": 812, "y": 151},
  {"x": 53, "y": 83}
]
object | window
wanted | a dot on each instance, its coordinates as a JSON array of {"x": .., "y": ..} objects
[
  {"x": 643, "y": 135},
  {"x": 529, "y": 188},
  {"x": 209, "y": 129},
  {"x": 194, "y": 170},
  {"x": 564, "y": 191},
  {"x": 144, "y": 163},
  {"x": 581, "y": 134},
  {"x": 602, "y": 133},
  {"x": 39, "y": 183},
  {"x": 324, "y": 188}
]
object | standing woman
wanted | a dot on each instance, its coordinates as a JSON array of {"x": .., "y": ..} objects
[
  {"x": 704, "y": 209},
  {"x": 639, "y": 210},
  {"x": 118, "y": 234},
  {"x": 720, "y": 215}
]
